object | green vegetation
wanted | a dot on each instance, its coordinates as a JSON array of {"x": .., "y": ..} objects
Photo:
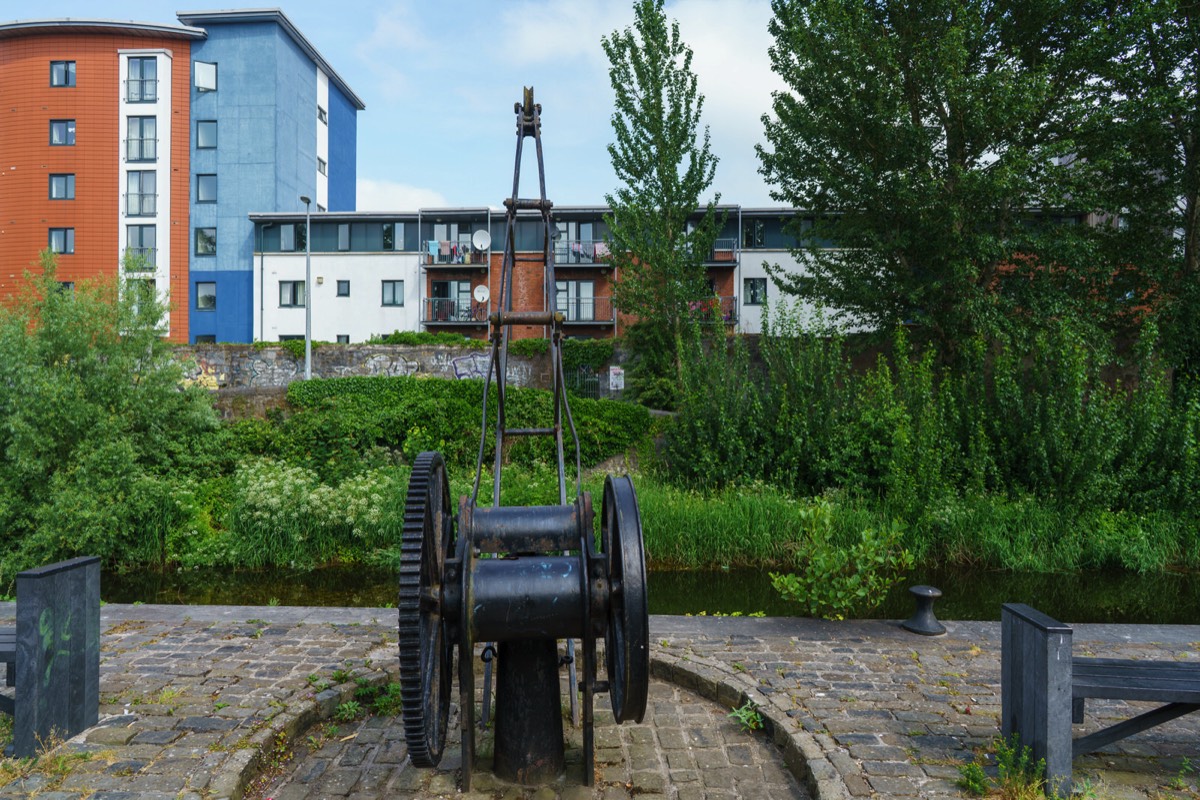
[
  {"x": 1024, "y": 456},
  {"x": 422, "y": 338},
  {"x": 1019, "y": 777}
]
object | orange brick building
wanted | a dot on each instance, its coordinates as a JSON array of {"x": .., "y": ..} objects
[{"x": 91, "y": 110}]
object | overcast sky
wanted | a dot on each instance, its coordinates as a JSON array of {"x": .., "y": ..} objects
[{"x": 439, "y": 80}]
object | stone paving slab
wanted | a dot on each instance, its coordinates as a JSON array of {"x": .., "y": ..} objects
[{"x": 196, "y": 700}]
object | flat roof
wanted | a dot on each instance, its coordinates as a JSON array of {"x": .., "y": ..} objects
[
  {"x": 79, "y": 25},
  {"x": 276, "y": 15}
]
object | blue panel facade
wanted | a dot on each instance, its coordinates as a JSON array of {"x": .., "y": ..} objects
[
  {"x": 235, "y": 292},
  {"x": 343, "y": 151},
  {"x": 265, "y": 158}
]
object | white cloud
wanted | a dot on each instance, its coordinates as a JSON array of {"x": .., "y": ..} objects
[{"x": 376, "y": 195}]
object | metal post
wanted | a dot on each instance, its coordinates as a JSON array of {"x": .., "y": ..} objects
[
  {"x": 528, "y": 747},
  {"x": 307, "y": 289}
]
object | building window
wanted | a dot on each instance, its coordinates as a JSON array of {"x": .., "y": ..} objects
[
  {"x": 141, "y": 197},
  {"x": 206, "y": 296},
  {"x": 755, "y": 291},
  {"x": 343, "y": 288},
  {"x": 393, "y": 293},
  {"x": 322, "y": 115},
  {"x": 292, "y": 237},
  {"x": 67, "y": 287},
  {"x": 344, "y": 236},
  {"x": 206, "y": 76},
  {"x": 140, "y": 246},
  {"x": 62, "y": 187},
  {"x": 343, "y": 338},
  {"x": 62, "y": 132},
  {"x": 62, "y": 73},
  {"x": 206, "y": 188},
  {"x": 142, "y": 141},
  {"x": 62, "y": 240},
  {"x": 206, "y": 241},
  {"x": 206, "y": 338},
  {"x": 389, "y": 236},
  {"x": 206, "y": 134},
  {"x": 576, "y": 299},
  {"x": 291, "y": 294},
  {"x": 322, "y": 167},
  {"x": 753, "y": 235},
  {"x": 142, "y": 84},
  {"x": 291, "y": 337}
]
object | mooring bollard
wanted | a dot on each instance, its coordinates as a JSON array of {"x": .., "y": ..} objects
[{"x": 923, "y": 621}]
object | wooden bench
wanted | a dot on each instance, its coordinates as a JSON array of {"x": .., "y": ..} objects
[
  {"x": 52, "y": 656},
  {"x": 1043, "y": 689}
]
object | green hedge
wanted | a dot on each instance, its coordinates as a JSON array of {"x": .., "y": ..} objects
[{"x": 339, "y": 420}]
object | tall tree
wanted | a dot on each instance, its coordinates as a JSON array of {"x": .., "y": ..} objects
[
  {"x": 1143, "y": 147},
  {"x": 664, "y": 164},
  {"x": 921, "y": 134}
]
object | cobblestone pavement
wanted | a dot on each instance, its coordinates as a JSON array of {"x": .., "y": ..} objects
[
  {"x": 196, "y": 701},
  {"x": 686, "y": 747}
]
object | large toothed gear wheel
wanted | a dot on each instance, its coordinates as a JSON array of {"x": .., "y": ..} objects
[
  {"x": 425, "y": 646},
  {"x": 627, "y": 639}
]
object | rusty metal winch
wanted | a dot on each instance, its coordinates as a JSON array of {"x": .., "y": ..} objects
[{"x": 522, "y": 577}]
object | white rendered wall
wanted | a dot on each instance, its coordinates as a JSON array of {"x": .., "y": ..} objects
[{"x": 359, "y": 316}]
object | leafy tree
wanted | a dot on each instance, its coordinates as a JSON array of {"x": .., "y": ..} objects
[
  {"x": 664, "y": 165},
  {"x": 95, "y": 427},
  {"x": 1142, "y": 147},
  {"x": 921, "y": 134}
]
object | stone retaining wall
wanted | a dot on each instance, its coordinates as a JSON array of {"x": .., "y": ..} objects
[{"x": 236, "y": 368}]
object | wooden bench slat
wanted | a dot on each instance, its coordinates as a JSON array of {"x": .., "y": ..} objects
[{"x": 1166, "y": 681}]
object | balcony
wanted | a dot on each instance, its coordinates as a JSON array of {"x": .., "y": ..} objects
[
  {"x": 724, "y": 253},
  {"x": 141, "y": 204},
  {"x": 438, "y": 311},
  {"x": 452, "y": 254},
  {"x": 139, "y": 90},
  {"x": 140, "y": 259},
  {"x": 580, "y": 253},
  {"x": 141, "y": 149},
  {"x": 590, "y": 311},
  {"x": 724, "y": 307}
]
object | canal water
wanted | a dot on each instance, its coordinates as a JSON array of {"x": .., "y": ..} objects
[{"x": 1162, "y": 598}]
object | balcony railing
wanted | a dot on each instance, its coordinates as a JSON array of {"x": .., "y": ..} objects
[
  {"x": 140, "y": 204},
  {"x": 589, "y": 311},
  {"x": 438, "y": 311},
  {"x": 435, "y": 253},
  {"x": 139, "y": 90},
  {"x": 141, "y": 149},
  {"x": 141, "y": 259},
  {"x": 580, "y": 252},
  {"x": 724, "y": 251},
  {"x": 725, "y": 308}
]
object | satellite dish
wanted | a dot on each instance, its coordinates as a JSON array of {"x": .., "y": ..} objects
[
  {"x": 482, "y": 240},
  {"x": 481, "y": 293}
]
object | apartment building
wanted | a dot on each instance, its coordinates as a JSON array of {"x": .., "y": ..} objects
[
  {"x": 439, "y": 270},
  {"x": 156, "y": 141},
  {"x": 94, "y": 151}
]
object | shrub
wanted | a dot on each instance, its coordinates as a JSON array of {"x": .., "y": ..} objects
[
  {"x": 98, "y": 432},
  {"x": 834, "y": 579}
]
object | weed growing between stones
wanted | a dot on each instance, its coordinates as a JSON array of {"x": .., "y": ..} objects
[
  {"x": 1019, "y": 777},
  {"x": 748, "y": 717},
  {"x": 49, "y": 763}
]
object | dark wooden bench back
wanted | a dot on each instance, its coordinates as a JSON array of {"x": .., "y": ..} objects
[
  {"x": 57, "y": 653},
  {"x": 1035, "y": 687}
]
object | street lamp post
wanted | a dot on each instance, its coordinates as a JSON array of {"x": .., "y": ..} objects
[{"x": 307, "y": 289}]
